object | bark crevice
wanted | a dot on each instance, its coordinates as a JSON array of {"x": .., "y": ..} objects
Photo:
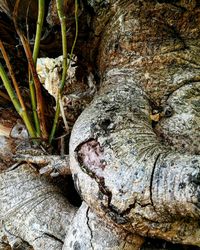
[
  {"x": 88, "y": 224},
  {"x": 151, "y": 181}
]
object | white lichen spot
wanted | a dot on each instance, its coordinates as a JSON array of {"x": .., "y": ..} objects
[
  {"x": 122, "y": 22},
  {"x": 147, "y": 75}
]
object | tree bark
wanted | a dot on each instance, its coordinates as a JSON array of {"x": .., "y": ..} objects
[
  {"x": 32, "y": 209},
  {"x": 144, "y": 177},
  {"x": 88, "y": 231},
  {"x": 138, "y": 175}
]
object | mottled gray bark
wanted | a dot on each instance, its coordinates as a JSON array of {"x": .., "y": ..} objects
[
  {"x": 137, "y": 176},
  {"x": 33, "y": 213},
  {"x": 88, "y": 231},
  {"x": 122, "y": 169},
  {"x": 32, "y": 209},
  {"x": 145, "y": 178}
]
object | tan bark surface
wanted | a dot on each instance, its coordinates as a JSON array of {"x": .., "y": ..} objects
[
  {"x": 144, "y": 177},
  {"x": 134, "y": 151}
]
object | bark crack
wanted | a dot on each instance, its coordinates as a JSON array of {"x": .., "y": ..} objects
[
  {"x": 53, "y": 237},
  {"x": 112, "y": 211},
  {"x": 18, "y": 241},
  {"x": 50, "y": 236},
  {"x": 88, "y": 225},
  {"x": 151, "y": 181}
]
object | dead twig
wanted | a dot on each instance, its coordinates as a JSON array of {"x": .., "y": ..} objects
[{"x": 6, "y": 97}]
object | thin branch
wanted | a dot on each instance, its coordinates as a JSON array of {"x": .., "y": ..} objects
[
  {"x": 40, "y": 20},
  {"x": 31, "y": 85},
  {"x": 63, "y": 116},
  {"x": 62, "y": 17},
  {"x": 39, "y": 97},
  {"x": 9, "y": 66},
  {"x": 55, "y": 122},
  {"x": 16, "y": 102},
  {"x": 27, "y": 26},
  {"x": 11, "y": 93},
  {"x": 6, "y": 97},
  {"x": 34, "y": 105},
  {"x": 76, "y": 33}
]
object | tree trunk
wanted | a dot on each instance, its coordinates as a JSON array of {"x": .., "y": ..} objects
[{"x": 134, "y": 151}]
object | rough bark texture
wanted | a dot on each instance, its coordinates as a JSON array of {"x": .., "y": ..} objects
[
  {"x": 88, "y": 231},
  {"x": 121, "y": 164},
  {"x": 136, "y": 175},
  {"x": 128, "y": 173},
  {"x": 34, "y": 215},
  {"x": 32, "y": 209}
]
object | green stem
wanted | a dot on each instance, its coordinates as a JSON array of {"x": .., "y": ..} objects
[
  {"x": 55, "y": 122},
  {"x": 76, "y": 33},
  {"x": 15, "y": 102},
  {"x": 65, "y": 64},
  {"x": 34, "y": 107},
  {"x": 64, "y": 42},
  {"x": 62, "y": 18},
  {"x": 40, "y": 20}
]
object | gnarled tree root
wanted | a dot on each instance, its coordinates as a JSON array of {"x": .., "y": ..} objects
[
  {"x": 33, "y": 209},
  {"x": 121, "y": 168}
]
